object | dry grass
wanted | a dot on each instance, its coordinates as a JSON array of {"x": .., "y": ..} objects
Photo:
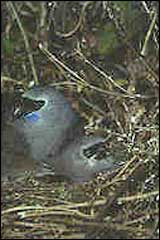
[{"x": 122, "y": 204}]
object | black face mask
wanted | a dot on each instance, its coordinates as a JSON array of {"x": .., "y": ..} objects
[{"x": 26, "y": 106}]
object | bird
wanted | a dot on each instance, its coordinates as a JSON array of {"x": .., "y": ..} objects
[
  {"x": 14, "y": 149},
  {"x": 46, "y": 135}
]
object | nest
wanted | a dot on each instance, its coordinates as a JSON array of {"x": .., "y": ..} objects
[{"x": 94, "y": 56}]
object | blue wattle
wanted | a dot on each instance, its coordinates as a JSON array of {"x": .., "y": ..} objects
[{"x": 32, "y": 117}]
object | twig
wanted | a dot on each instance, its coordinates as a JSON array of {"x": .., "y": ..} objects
[
  {"x": 107, "y": 77},
  {"x": 55, "y": 60},
  {"x": 60, "y": 207},
  {"x": 111, "y": 80},
  {"x": 76, "y": 28},
  {"x": 155, "y": 25},
  {"x": 26, "y": 42},
  {"x": 94, "y": 107},
  {"x": 141, "y": 219},
  {"x": 138, "y": 197},
  {"x": 151, "y": 27}
]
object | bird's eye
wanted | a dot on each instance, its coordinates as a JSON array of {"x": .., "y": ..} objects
[{"x": 26, "y": 108}]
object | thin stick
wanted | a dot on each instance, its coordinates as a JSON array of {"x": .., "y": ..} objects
[
  {"x": 138, "y": 196},
  {"x": 155, "y": 25},
  {"x": 148, "y": 35},
  {"x": 26, "y": 42},
  {"x": 74, "y": 75},
  {"x": 76, "y": 28}
]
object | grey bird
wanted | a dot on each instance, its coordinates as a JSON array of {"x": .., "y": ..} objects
[{"x": 48, "y": 137}]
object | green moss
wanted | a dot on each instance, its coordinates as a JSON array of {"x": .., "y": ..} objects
[
  {"x": 107, "y": 40},
  {"x": 8, "y": 46}
]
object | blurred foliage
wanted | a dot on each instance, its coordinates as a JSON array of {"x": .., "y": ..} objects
[
  {"x": 127, "y": 13},
  {"x": 8, "y": 46},
  {"x": 107, "y": 40}
]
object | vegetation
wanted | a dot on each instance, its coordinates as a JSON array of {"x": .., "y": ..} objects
[{"x": 104, "y": 56}]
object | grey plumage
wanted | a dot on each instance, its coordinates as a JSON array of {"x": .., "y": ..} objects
[{"x": 51, "y": 135}]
